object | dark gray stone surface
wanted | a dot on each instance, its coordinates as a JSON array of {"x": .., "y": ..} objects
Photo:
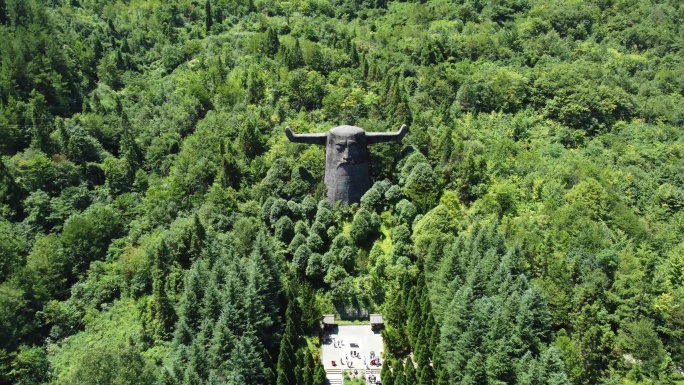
[{"x": 346, "y": 158}]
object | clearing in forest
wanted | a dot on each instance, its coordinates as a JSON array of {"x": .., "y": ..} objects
[{"x": 339, "y": 343}]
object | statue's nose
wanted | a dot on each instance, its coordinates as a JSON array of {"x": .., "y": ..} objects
[{"x": 346, "y": 155}]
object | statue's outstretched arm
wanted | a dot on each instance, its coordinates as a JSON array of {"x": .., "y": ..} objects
[
  {"x": 381, "y": 137},
  {"x": 305, "y": 138}
]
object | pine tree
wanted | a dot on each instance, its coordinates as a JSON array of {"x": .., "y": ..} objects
[
  {"x": 229, "y": 174},
  {"x": 319, "y": 374},
  {"x": 161, "y": 308},
  {"x": 364, "y": 67},
  {"x": 208, "y": 21},
  {"x": 287, "y": 358},
  {"x": 311, "y": 316},
  {"x": 398, "y": 372},
  {"x": 354, "y": 55},
  {"x": 434, "y": 339},
  {"x": 396, "y": 311},
  {"x": 295, "y": 58},
  {"x": 3, "y": 12},
  {"x": 271, "y": 44},
  {"x": 293, "y": 314},
  {"x": 255, "y": 85},
  {"x": 474, "y": 373},
  {"x": 443, "y": 377},
  {"x": 386, "y": 374},
  {"x": 263, "y": 289},
  {"x": 425, "y": 375},
  {"x": 309, "y": 368},
  {"x": 192, "y": 298},
  {"x": 197, "y": 239},
  {"x": 37, "y": 112},
  {"x": 414, "y": 315},
  {"x": 420, "y": 349},
  {"x": 301, "y": 364},
  {"x": 410, "y": 372}
]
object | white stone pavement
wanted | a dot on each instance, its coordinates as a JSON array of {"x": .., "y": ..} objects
[{"x": 337, "y": 346}]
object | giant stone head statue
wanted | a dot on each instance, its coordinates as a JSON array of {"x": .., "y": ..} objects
[{"x": 346, "y": 158}]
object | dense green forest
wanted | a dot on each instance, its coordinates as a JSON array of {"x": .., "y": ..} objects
[{"x": 156, "y": 226}]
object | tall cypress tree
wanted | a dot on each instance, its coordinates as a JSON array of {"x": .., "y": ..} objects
[
  {"x": 425, "y": 375},
  {"x": 414, "y": 315},
  {"x": 286, "y": 363},
  {"x": 3, "y": 12},
  {"x": 354, "y": 55},
  {"x": 272, "y": 44},
  {"x": 208, "y": 20},
  {"x": 443, "y": 378},
  {"x": 364, "y": 66},
  {"x": 420, "y": 348},
  {"x": 398, "y": 372},
  {"x": 311, "y": 316},
  {"x": 161, "y": 309},
  {"x": 264, "y": 288},
  {"x": 410, "y": 372},
  {"x": 319, "y": 374},
  {"x": 386, "y": 374},
  {"x": 295, "y": 57},
  {"x": 255, "y": 85},
  {"x": 287, "y": 358},
  {"x": 309, "y": 368},
  {"x": 197, "y": 239}
]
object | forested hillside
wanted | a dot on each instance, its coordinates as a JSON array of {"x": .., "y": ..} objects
[{"x": 157, "y": 227}]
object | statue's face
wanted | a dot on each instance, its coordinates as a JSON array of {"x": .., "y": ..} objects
[
  {"x": 349, "y": 151},
  {"x": 346, "y": 146}
]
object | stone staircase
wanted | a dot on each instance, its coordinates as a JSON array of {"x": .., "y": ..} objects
[{"x": 334, "y": 376}]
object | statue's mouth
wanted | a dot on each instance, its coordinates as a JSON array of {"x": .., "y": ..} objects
[{"x": 346, "y": 168}]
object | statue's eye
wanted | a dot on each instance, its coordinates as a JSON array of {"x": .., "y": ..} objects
[{"x": 340, "y": 147}]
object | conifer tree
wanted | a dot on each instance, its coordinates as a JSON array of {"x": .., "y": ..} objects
[
  {"x": 354, "y": 55},
  {"x": 230, "y": 174},
  {"x": 396, "y": 311},
  {"x": 410, "y": 372},
  {"x": 255, "y": 85},
  {"x": 386, "y": 374},
  {"x": 398, "y": 372},
  {"x": 295, "y": 58},
  {"x": 208, "y": 21},
  {"x": 425, "y": 375},
  {"x": 287, "y": 357},
  {"x": 301, "y": 364},
  {"x": 319, "y": 374},
  {"x": 263, "y": 289},
  {"x": 420, "y": 352},
  {"x": 311, "y": 316},
  {"x": 272, "y": 44},
  {"x": 414, "y": 315},
  {"x": 3, "y": 12},
  {"x": 294, "y": 312},
  {"x": 193, "y": 295},
  {"x": 443, "y": 377},
  {"x": 160, "y": 308},
  {"x": 41, "y": 121},
  {"x": 364, "y": 66},
  {"x": 198, "y": 236},
  {"x": 309, "y": 368}
]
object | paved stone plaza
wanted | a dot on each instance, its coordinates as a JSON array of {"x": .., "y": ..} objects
[{"x": 343, "y": 336}]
